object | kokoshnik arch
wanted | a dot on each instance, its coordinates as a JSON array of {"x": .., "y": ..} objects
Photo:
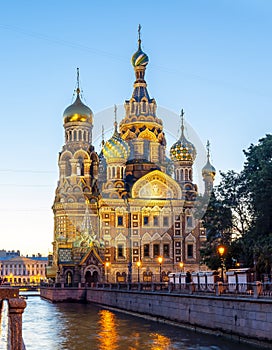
[{"x": 129, "y": 204}]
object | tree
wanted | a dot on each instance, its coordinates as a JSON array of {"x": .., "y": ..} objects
[
  {"x": 217, "y": 221},
  {"x": 258, "y": 174},
  {"x": 233, "y": 193}
]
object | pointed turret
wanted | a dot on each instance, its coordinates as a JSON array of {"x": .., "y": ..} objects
[
  {"x": 208, "y": 172},
  {"x": 78, "y": 122},
  {"x": 183, "y": 154}
]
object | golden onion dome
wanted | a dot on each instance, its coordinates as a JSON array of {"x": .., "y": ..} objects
[
  {"x": 116, "y": 148},
  {"x": 183, "y": 150},
  {"x": 78, "y": 112},
  {"x": 208, "y": 170}
]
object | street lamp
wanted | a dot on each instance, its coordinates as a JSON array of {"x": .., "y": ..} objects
[
  {"x": 107, "y": 265},
  {"x": 181, "y": 265},
  {"x": 138, "y": 263},
  {"x": 221, "y": 250},
  {"x": 160, "y": 259}
]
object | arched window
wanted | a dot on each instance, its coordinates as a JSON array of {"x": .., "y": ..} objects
[
  {"x": 74, "y": 135},
  {"x": 68, "y": 169},
  {"x": 80, "y": 166}
]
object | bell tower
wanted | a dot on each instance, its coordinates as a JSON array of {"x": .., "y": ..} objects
[{"x": 78, "y": 173}]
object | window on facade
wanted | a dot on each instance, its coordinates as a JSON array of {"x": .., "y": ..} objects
[
  {"x": 165, "y": 221},
  {"x": 156, "y": 250},
  {"x": 189, "y": 221},
  {"x": 120, "y": 251},
  {"x": 166, "y": 250},
  {"x": 177, "y": 217},
  {"x": 190, "y": 251},
  {"x": 120, "y": 220},
  {"x": 156, "y": 220},
  {"x": 146, "y": 250},
  {"x": 145, "y": 220}
]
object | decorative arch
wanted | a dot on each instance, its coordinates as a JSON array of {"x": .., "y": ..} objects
[
  {"x": 156, "y": 184},
  {"x": 156, "y": 237},
  {"x": 65, "y": 155},
  {"x": 166, "y": 237},
  {"x": 147, "y": 135},
  {"x": 146, "y": 237},
  {"x": 81, "y": 153}
]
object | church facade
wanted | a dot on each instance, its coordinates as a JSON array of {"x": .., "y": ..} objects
[{"x": 127, "y": 213}]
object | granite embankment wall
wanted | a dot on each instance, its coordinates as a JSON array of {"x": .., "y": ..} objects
[
  {"x": 247, "y": 318},
  {"x": 238, "y": 317},
  {"x": 57, "y": 295}
]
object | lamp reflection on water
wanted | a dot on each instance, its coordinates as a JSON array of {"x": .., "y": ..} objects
[
  {"x": 160, "y": 342},
  {"x": 107, "y": 336}
]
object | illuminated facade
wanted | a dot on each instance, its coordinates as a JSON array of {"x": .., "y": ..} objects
[
  {"x": 23, "y": 270},
  {"x": 131, "y": 203}
]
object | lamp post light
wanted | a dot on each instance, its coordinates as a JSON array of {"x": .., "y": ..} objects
[
  {"x": 138, "y": 263},
  {"x": 221, "y": 250},
  {"x": 160, "y": 259},
  {"x": 107, "y": 265},
  {"x": 181, "y": 265}
]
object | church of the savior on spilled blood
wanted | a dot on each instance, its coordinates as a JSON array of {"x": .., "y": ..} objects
[{"x": 126, "y": 213}]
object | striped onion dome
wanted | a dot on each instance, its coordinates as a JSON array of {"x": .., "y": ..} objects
[
  {"x": 116, "y": 148},
  {"x": 183, "y": 150}
]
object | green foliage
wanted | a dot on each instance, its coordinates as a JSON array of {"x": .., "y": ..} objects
[{"x": 239, "y": 214}]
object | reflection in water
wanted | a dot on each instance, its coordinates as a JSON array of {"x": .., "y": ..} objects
[
  {"x": 160, "y": 342},
  {"x": 108, "y": 337},
  {"x": 71, "y": 326}
]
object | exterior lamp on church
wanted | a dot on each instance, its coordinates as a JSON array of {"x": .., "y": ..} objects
[
  {"x": 160, "y": 259},
  {"x": 138, "y": 263},
  {"x": 107, "y": 265},
  {"x": 221, "y": 250},
  {"x": 181, "y": 265}
]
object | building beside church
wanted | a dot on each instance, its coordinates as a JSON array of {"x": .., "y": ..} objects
[
  {"x": 118, "y": 211},
  {"x": 16, "y": 269}
]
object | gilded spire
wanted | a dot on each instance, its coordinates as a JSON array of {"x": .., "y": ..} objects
[
  {"x": 182, "y": 122},
  {"x": 103, "y": 136},
  {"x": 139, "y": 37},
  {"x": 208, "y": 150},
  {"x": 78, "y": 89},
  {"x": 115, "y": 119}
]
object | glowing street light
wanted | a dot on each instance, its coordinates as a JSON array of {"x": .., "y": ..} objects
[
  {"x": 221, "y": 250},
  {"x": 160, "y": 259},
  {"x": 181, "y": 265},
  {"x": 138, "y": 263},
  {"x": 107, "y": 265}
]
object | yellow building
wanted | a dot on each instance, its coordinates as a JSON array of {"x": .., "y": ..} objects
[
  {"x": 23, "y": 270},
  {"x": 118, "y": 212}
]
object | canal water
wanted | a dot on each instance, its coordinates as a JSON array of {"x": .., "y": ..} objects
[{"x": 72, "y": 326}]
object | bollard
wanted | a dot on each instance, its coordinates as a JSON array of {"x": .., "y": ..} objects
[
  {"x": 16, "y": 309},
  {"x": 219, "y": 288},
  {"x": 257, "y": 289}
]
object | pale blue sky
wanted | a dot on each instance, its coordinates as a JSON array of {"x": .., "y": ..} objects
[{"x": 212, "y": 58}]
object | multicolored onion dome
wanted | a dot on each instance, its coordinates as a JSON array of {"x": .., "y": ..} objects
[
  {"x": 208, "y": 170},
  {"x": 139, "y": 58},
  {"x": 78, "y": 112},
  {"x": 183, "y": 150},
  {"x": 116, "y": 148}
]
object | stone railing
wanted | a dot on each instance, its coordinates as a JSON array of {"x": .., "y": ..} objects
[
  {"x": 254, "y": 289},
  {"x": 12, "y": 308}
]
